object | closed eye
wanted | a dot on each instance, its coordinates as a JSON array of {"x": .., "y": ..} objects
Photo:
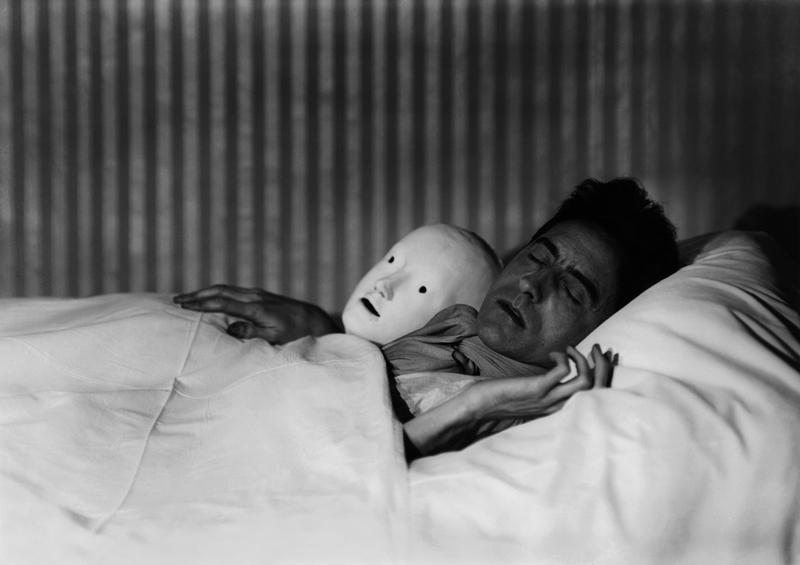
[
  {"x": 535, "y": 259},
  {"x": 588, "y": 289},
  {"x": 541, "y": 254},
  {"x": 573, "y": 294}
]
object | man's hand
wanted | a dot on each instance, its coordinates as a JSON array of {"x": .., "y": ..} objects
[
  {"x": 272, "y": 317},
  {"x": 452, "y": 424},
  {"x": 531, "y": 397}
]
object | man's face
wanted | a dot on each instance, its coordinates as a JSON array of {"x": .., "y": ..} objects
[
  {"x": 429, "y": 269},
  {"x": 552, "y": 294}
]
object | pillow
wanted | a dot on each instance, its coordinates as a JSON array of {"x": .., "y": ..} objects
[{"x": 690, "y": 456}]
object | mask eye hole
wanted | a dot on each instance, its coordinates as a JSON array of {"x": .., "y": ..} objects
[
  {"x": 423, "y": 289},
  {"x": 391, "y": 259}
]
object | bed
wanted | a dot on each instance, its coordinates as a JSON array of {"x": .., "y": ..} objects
[{"x": 132, "y": 431}]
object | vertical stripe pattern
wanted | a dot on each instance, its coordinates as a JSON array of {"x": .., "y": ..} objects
[{"x": 163, "y": 145}]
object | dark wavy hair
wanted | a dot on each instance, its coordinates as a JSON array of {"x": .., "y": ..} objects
[{"x": 625, "y": 212}]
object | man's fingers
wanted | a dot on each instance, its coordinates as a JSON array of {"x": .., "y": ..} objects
[
  {"x": 246, "y": 330},
  {"x": 584, "y": 379},
  {"x": 603, "y": 370},
  {"x": 555, "y": 407},
  {"x": 272, "y": 335},
  {"x": 226, "y": 306},
  {"x": 221, "y": 291},
  {"x": 565, "y": 390},
  {"x": 212, "y": 291},
  {"x": 242, "y": 330},
  {"x": 580, "y": 362},
  {"x": 557, "y": 373}
]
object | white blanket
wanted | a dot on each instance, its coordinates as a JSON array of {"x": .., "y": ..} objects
[
  {"x": 132, "y": 430},
  {"x": 145, "y": 434}
]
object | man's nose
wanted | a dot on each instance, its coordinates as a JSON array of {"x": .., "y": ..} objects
[
  {"x": 534, "y": 285},
  {"x": 384, "y": 288}
]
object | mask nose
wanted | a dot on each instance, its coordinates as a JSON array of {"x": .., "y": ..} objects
[{"x": 384, "y": 288}]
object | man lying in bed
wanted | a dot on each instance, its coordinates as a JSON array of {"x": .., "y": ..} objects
[{"x": 607, "y": 243}]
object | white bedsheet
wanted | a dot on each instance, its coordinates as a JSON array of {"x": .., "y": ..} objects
[{"x": 133, "y": 431}]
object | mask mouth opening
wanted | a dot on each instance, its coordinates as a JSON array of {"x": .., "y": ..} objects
[{"x": 370, "y": 308}]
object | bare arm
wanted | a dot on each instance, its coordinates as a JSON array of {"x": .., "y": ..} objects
[
  {"x": 453, "y": 424},
  {"x": 275, "y": 318}
]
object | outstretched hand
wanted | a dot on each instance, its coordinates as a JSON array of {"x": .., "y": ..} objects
[
  {"x": 275, "y": 318},
  {"x": 531, "y": 397},
  {"x": 453, "y": 424}
]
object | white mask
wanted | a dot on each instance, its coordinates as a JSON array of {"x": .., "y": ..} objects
[{"x": 431, "y": 268}]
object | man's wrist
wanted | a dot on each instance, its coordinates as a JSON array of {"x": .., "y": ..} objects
[
  {"x": 320, "y": 322},
  {"x": 477, "y": 402},
  {"x": 446, "y": 427}
]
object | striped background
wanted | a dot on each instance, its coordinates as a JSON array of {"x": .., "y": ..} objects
[{"x": 166, "y": 144}]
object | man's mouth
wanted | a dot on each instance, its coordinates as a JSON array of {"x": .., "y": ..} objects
[
  {"x": 512, "y": 312},
  {"x": 368, "y": 305}
]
